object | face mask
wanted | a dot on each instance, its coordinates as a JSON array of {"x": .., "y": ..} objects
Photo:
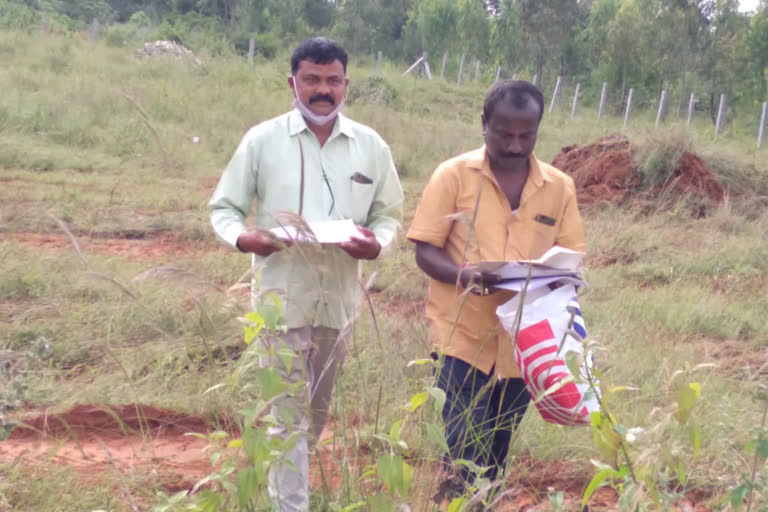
[{"x": 317, "y": 119}]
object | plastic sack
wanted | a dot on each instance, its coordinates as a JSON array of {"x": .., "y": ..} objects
[{"x": 544, "y": 344}]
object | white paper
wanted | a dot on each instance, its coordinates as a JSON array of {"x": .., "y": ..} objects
[
  {"x": 559, "y": 257},
  {"x": 557, "y": 261},
  {"x": 325, "y": 232},
  {"x": 539, "y": 282}
]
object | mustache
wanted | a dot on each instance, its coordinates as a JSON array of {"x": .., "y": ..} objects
[
  {"x": 322, "y": 97},
  {"x": 513, "y": 155}
]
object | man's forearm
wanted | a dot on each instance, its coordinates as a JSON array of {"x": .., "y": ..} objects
[{"x": 436, "y": 263}]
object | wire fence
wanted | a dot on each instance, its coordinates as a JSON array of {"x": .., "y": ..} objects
[{"x": 568, "y": 95}]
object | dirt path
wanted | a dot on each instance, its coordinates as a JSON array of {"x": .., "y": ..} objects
[
  {"x": 136, "y": 246},
  {"x": 128, "y": 438},
  {"x": 139, "y": 440}
]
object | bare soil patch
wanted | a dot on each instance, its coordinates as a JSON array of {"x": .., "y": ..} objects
[
  {"x": 129, "y": 438},
  {"x": 142, "y": 439},
  {"x": 137, "y": 245},
  {"x": 605, "y": 171}
]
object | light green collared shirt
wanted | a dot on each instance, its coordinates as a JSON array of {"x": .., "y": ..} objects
[{"x": 319, "y": 285}]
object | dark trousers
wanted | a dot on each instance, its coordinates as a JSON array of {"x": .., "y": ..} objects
[{"x": 480, "y": 415}]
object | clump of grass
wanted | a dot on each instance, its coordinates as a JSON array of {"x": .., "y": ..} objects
[{"x": 656, "y": 155}]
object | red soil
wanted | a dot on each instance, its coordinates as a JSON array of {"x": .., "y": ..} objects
[{"x": 605, "y": 172}]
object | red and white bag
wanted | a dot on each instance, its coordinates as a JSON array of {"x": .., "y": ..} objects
[{"x": 543, "y": 344}]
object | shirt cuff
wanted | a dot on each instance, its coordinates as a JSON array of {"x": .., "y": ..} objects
[{"x": 417, "y": 235}]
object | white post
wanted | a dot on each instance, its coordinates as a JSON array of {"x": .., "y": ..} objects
[
  {"x": 575, "y": 100},
  {"x": 535, "y": 80},
  {"x": 251, "y": 49},
  {"x": 761, "y": 131},
  {"x": 602, "y": 101},
  {"x": 379, "y": 61},
  {"x": 555, "y": 93},
  {"x": 461, "y": 69},
  {"x": 720, "y": 115},
  {"x": 691, "y": 103},
  {"x": 629, "y": 106},
  {"x": 44, "y": 24},
  {"x": 95, "y": 30},
  {"x": 514, "y": 76},
  {"x": 418, "y": 61},
  {"x": 498, "y": 73},
  {"x": 477, "y": 69},
  {"x": 426, "y": 66},
  {"x": 442, "y": 69},
  {"x": 660, "y": 111}
]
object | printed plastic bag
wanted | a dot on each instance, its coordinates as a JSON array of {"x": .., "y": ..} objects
[{"x": 546, "y": 342}]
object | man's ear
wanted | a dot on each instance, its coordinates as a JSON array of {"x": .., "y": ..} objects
[{"x": 484, "y": 123}]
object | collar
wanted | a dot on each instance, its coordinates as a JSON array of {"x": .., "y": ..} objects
[
  {"x": 478, "y": 160},
  {"x": 297, "y": 124}
]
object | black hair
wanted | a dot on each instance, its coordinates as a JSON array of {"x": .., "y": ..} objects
[
  {"x": 319, "y": 50},
  {"x": 517, "y": 92}
]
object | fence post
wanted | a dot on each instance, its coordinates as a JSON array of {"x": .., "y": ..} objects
[
  {"x": 95, "y": 30},
  {"x": 660, "y": 111},
  {"x": 555, "y": 93},
  {"x": 379, "y": 62},
  {"x": 498, "y": 73},
  {"x": 602, "y": 101},
  {"x": 442, "y": 68},
  {"x": 461, "y": 69},
  {"x": 575, "y": 100},
  {"x": 514, "y": 76},
  {"x": 44, "y": 24},
  {"x": 477, "y": 69},
  {"x": 426, "y": 66},
  {"x": 691, "y": 103},
  {"x": 628, "y": 110},
  {"x": 720, "y": 115},
  {"x": 413, "y": 66},
  {"x": 761, "y": 131},
  {"x": 251, "y": 49},
  {"x": 535, "y": 80}
]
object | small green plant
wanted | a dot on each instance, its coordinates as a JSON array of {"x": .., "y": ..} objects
[
  {"x": 646, "y": 464},
  {"x": 757, "y": 448}
]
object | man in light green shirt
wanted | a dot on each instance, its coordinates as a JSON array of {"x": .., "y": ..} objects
[{"x": 316, "y": 163}]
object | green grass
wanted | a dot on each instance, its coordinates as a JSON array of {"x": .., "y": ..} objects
[{"x": 667, "y": 291}]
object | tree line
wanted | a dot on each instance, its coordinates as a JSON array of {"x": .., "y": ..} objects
[{"x": 704, "y": 46}]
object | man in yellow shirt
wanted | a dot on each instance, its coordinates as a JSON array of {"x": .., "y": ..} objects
[
  {"x": 320, "y": 165},
  {"x": 497, "y": 203}
]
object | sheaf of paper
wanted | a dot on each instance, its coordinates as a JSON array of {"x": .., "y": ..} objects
[
  {"x": 539, "y": 282},
  {"x": 325, "y": 232},
  {"x": 558, "y": 261}
]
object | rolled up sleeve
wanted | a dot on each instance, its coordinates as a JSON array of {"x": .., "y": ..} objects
[
  {"x": 571, "y": 233},
  {"x": 434, "y": 216}
]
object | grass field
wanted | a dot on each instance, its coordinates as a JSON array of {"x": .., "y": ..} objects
[{"x": 142, "y": 310}]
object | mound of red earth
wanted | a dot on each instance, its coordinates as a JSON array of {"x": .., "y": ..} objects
[{"x": 606, "y": 172}]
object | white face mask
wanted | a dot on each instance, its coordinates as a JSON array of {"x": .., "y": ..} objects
[{"x": 317, "y": 119}]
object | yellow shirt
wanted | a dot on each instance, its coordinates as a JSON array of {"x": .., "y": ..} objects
[{"x": 464, "y": 210}]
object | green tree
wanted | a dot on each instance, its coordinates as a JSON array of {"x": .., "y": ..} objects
[
  {"x": 473, "y": 27},
  {"x": 546, "y": 28},
  {"x": 506, "y": 35}
]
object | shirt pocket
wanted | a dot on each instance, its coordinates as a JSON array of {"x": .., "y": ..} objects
[
  {"x": 360, "y": 201},
  {"x": 543, "y": 238}
]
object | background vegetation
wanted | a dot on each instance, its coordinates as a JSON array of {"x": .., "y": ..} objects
[{"x": 105, "y": 143}]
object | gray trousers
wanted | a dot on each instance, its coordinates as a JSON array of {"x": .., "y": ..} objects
[{"x": 320, "y": 353}]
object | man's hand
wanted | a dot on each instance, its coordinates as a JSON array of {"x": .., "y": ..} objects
[
  {"x": 365, "y": 247},
  {"x": 260, "y": 242},
  {"x": 479, "y": 283}
]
